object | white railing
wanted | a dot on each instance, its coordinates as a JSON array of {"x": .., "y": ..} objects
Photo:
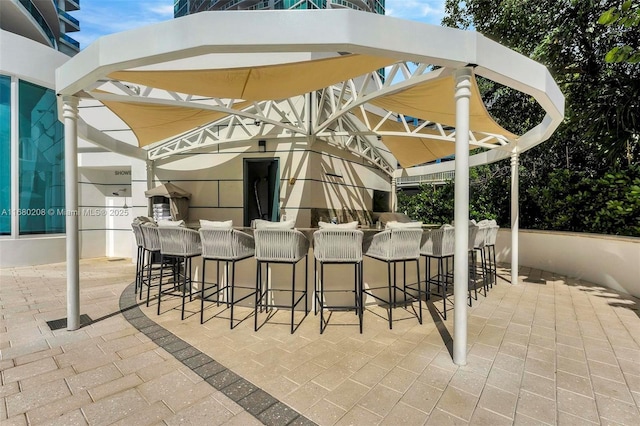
[{"x": 432, "y": 178}]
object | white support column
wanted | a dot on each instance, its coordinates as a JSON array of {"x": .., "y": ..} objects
[
  {"x": 70, "y": 116},
  {"x": 515, "y": 216},
  {"x": 394, "y": 194},
  {"x": 150, "y": 177},
  {"x": 313, "y": 111},
  {"x": 461, "y": 217}
]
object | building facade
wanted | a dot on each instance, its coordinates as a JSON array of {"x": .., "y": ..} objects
[
  {"x": 188, "y": 7},
  {"x": 33, "y": 43},
  {"x": 47, "y": 22}
]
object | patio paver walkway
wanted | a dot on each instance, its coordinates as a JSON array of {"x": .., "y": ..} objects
[{"x": 551, "y": 350}]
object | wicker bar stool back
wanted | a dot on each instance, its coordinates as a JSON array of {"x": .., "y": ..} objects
[
  {"x": 228, "y": 246},
  {"x": 338, "y": 247},
  {"x": 438, "y": 244},
  {"x": 180, "y": 245},
  {"x": 394, "y": 246},
  {"x": 288, "y": 246}
]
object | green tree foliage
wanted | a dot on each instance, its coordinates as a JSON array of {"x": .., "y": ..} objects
[
  {"x": 602, "y": 117},
  {"x": 586, "y": 177},
  {"x": 569, "y": 201},
  {"x": 624, "y": 19},
  {"x": 435, "y": 203}
]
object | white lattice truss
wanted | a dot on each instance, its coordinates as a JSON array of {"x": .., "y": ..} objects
[{"x": 326, "y": 115}]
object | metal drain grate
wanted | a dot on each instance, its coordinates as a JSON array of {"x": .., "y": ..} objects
[{"x": 62, "y": 322}]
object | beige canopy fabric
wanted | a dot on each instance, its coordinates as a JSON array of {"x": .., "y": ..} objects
[
  {"x": 153, "y": 123},
  {"x": 433, "y": 100},
  {"x": 410, "y": 151},
  {"x": 261, "y": 83},
  {"x": 413, "y": 151}
]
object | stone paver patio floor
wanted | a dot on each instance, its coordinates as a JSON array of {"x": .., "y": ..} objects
[{"x": 550, "y": 350}]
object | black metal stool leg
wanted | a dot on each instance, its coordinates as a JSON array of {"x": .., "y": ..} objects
[
  {"x": 306, "y": 285},
  {"x": 361, "y": 294},
  {"x": 204, "y": 265},
  {"x": 293, "y": 294},
  {"x": 315, "y": 286},
  {"x": 258, "y": 294},
  {"x": 419, "y": 291},
  {"x": 321, "y": 297},
  {"x": 495, "y": 265},
  {"x": 233, "y": 286},
  {"x": 184, "y": 287},
  {"x": 159, "y": 284},
  {"x": 226, "y": 271},
  {"x": 355, "y": 278},
  {"x": 441, "y": 264}
]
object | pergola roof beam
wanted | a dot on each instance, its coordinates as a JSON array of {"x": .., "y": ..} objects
[{"x": 114, "y": 145}]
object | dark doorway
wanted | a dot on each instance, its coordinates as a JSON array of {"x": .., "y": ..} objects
[
  {"x": 381, "y": 202},
  {"x": 261, "y": 190}
]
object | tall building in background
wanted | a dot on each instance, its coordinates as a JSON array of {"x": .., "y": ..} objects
[
  {"x": 33, "y": 43},
  {"x": 188, "y": 7},
  {"x": 45, "y": 21}
]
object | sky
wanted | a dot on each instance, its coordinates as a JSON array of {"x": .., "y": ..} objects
[{"x": 102, "y": 17}]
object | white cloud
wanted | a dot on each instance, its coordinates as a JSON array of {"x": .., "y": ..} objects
[
  {"x": 100, "y": 17},
  {"x": 162, "y": 10},
  {"x": 429, "y": 11}
]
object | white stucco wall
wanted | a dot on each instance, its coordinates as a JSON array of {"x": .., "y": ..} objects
[
  {"x": 611, "y": 261},
  {"x": 215, "y": 179},
  {"x": 105, "y": 225}
]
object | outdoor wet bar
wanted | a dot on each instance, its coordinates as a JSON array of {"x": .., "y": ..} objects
[
  {"x": 338, "y": 266},
  {"x": 305, "y": 212},
  {"x": 293, "y": 126}
]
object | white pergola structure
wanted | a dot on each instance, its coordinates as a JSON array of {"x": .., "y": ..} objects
[{"x": 219, "y": 77}]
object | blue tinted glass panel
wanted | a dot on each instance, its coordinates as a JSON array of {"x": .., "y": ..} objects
[
  {"x": 41, "y": 164},
  {"x": 5, "y": 155}
]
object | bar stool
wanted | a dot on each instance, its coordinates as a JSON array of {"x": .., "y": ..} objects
[
  {"x": 137, "y": 233},
  {"x": 181, "y": 245},
  {"x": 226, "y": 245},
  {"x": 334, "y": 246},
  {"x": 151, "y": 252},
  {"x": 438, "y": 244},
  {"x": 478, "y": 246},
  {"x": 490, "y": 247},
  {"x": 393, "y": 246},
  {"x": 286, "y": 246},
  {"x": 473, "y": 230}
]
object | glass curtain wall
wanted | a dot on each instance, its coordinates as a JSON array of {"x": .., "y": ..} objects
[
  {"x": 180, "y": 8},
  {"x": 5, "y": 155},
  {"x": 41, "y": 161},
  {"x": 297, "y": 4}
]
